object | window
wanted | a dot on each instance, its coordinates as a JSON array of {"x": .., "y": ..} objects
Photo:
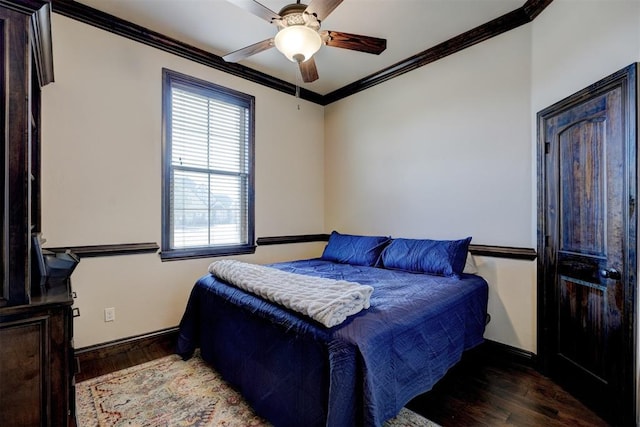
[{"x": 208, "y": 147}]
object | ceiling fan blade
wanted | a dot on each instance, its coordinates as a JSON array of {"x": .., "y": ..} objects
[
  {"x": 355, "y": 42},
  {"x": 309, "y": 71},
  {"x": 257, "y": 9},
  {"x": 322, "y": 8},
  {"x": 245, "y": 52}
]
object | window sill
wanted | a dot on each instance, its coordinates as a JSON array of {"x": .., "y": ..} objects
[{"x": 193, "y": 253}]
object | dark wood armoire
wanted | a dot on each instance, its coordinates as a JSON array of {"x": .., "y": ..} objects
[{"x": 36, "y": 328}]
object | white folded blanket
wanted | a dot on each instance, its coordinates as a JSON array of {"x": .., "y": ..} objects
[{"x": 327, "y": 301}]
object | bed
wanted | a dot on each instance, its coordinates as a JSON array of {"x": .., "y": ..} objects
[{"x": 295, "y": 372}]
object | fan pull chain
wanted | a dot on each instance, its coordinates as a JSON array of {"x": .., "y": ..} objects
[{"x": 298, "y": 80}]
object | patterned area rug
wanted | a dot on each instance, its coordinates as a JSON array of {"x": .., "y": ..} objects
[{"x": 170, "y": 392}]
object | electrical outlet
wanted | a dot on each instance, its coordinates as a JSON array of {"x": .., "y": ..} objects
[{"x": 109, "y": 314}]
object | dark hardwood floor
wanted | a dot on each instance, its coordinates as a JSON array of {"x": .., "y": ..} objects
[
  {"x": 111, "y": 358},
  {"x": 488, "y": 390},
  {"x": 482, "y": 390}
]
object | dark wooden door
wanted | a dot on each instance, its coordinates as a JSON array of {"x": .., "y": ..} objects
[{"x": 587, "y": 244}]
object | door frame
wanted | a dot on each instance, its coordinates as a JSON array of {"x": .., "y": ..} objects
[{"x": 627, "y": 80}]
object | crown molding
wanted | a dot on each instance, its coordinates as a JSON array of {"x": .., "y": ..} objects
[
  {"x": 500, "y": 25},
  {"x": 509, "y": 21},
  {"x": 88, "y": 15}
]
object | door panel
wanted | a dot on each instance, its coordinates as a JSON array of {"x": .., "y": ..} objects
[
  {"x": 586, "y": 266},
  {"x": 582, "y": 325},
  {"x": 583, "y": 190}
]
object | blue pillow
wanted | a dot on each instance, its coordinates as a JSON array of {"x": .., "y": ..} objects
[
  {"x": 356, "y": 250},
  {"x": 439, "y": 257}
]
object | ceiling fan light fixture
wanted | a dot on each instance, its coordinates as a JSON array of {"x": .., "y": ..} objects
[{"x": 298, "y": 42}]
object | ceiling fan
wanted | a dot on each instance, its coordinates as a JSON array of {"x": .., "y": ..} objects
[{"x": 299, "y": 36}]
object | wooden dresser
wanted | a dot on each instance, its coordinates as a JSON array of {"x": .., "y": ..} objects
[
  {"x": 36, "y": 327},
  {"x": 36, "y": 360}
]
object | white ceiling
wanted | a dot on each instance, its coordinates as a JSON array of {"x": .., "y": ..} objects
[{"x": 220, "y": 27}]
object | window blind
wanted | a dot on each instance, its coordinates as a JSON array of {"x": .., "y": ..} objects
[{"x": 210, "y": 169}]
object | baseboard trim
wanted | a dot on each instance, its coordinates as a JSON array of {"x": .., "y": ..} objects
[
  {"x": 504, "y": 351},
  {"x": 112, "y": 348},
  {"x": 109, "y": 349}
]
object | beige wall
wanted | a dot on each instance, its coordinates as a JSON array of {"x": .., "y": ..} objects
[
  {"x": 101, "y": 175},
  {"x": 440, "y": 152},
  {"x": 578, "y": 42}
]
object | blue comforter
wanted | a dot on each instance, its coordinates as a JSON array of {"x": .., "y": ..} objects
[{"x": 296, "y": 372}]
